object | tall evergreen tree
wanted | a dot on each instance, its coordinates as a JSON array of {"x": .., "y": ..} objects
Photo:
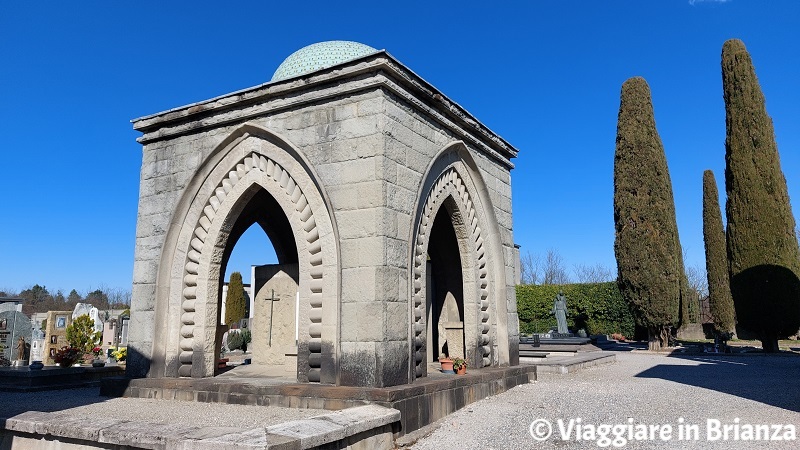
[
  {"x": 719, "y": 289},
  {"x": 647, "y": 247},
  {"x": 762, "y": 249},
  {"x": 235, "y": 303}
]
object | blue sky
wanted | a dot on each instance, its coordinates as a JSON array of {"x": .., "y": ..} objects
[{"x": 544, "y": 75}]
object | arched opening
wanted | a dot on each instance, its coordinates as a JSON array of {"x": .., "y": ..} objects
[
  {"x": 445, "y": 288},
  {"x": 259, "y": 217},
  {"x": 214, "y": 213},
  {"x": 253, "y": 248},
  {"x": 451, "y": 200}
]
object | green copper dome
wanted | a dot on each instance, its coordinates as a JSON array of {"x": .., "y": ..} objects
[{"x": 319, "y": 56}]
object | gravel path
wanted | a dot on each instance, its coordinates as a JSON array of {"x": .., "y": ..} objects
[
  {"x": 87, "y": 403},
  {"x": 650, "y": 389}
]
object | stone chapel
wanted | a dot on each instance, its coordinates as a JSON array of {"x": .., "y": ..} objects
[{"x": 388, "y": 206}]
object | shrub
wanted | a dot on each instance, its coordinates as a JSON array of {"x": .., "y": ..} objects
[
  {"x": 234, "y": 340},
  {"x": 246, "y": 338},
  {"x": 81, "y": 334},
  {"x": 597, "y": 307}
]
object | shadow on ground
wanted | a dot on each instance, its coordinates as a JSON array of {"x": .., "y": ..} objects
[
  {"x": 614, "y": 346},
  {"x": 769, "y": 379}
]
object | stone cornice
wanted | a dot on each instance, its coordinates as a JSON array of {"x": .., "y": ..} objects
[{"x": 376, "y": 71}]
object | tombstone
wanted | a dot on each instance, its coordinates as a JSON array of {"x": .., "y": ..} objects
[
  {"x": 274, "y": 325},
  {"x": 13, "y": 325},
  {"x": 89, "y": 310},
  {"x": 36, "y": 349},
  {"x": 451, "y": 328}
]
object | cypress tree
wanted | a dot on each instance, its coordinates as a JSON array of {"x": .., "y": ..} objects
[
  {"x": 761, "y": 244},
  {"x": 719, "y": 289},
  {"x": 647, "y": 248},
  {"x": 234, "y": 303}
]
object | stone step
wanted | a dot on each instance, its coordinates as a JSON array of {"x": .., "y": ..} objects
[
  {"x": 22, "y": 379},
  {"x": 571, "y": 364}
]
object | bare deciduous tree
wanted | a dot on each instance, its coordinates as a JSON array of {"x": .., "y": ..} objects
[
  {"x": 530, "y": 268},
  {"x": 698, "y": 282},
  {"x": 597, "y": 273},
  {"x": 118, "y": 297},
  {"x": 554, "y": 271}
]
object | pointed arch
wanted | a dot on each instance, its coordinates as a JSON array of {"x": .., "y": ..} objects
[
  {"x": 453, "y": 180},
  {"x": 249, "y": 159}
]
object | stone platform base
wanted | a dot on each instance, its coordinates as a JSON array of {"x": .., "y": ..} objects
[
  {"x": 421, "y": 403},
  {"x": 362, "y": 428},
  {"x": 557, "y": 347},
  {"x": 559, "y": 365},
  {"x": 22, "y": 379}
]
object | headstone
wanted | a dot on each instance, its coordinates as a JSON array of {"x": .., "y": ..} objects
[
  {"x": 274, "y": 324},
  {"x": 13, "y": 325},
  {"x": 36, "y": 349},
  {"x": 451, "y": 328}
]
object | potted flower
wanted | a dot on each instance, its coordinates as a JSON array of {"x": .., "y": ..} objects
[
  {"x": 67, "y": 356},
  {"x": 447, "y": 363},
  {"x": 120, "y": 354},
  {"x": 97, "y": 351},
  {"x": 460, "y": 366}
]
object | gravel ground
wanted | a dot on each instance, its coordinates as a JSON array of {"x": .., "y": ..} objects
[
  {"x": 87, "y": 403},
  {"x": 650, "y": 389}
]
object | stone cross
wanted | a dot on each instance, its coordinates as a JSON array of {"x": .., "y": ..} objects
[{"x": 272, "y": 301}]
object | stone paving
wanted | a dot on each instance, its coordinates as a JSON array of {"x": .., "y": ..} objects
[{"x": 650, "y": 389}]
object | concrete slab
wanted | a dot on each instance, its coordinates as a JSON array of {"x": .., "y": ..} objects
[{"x": 367, "y": 426}]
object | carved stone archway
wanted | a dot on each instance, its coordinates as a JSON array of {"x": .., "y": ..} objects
[
  {"x": 451, "y": 190},
  {"x": 250, "y": 160}
]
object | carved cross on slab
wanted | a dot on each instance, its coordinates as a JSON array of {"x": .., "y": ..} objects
[{"x": 272, "y": 301}]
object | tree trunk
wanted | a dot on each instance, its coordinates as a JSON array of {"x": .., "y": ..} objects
[
  {"x": 658, "y": 338},
  {"x": 770, "y": 344}
]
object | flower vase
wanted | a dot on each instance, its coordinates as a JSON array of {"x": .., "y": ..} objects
[
  {"x": 98, "y": 363},
  {"x": 447, "y": 365}
]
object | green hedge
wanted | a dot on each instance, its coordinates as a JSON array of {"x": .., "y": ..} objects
[{"x": 596, "y": 307}]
